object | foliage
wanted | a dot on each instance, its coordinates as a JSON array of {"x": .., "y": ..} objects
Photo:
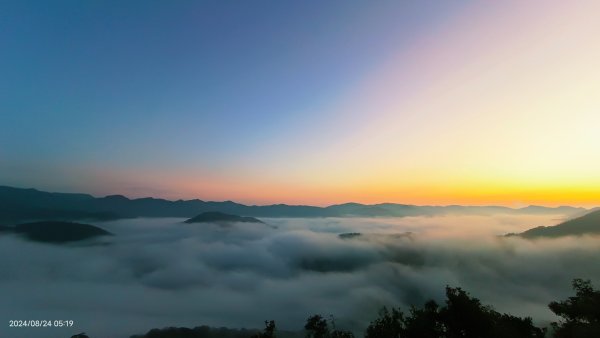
[
  {"x": 580, "y": 313},
  {"x": 461, "y": 317},
  {"x": 269, "y": 331},
  {"x": 387, "y": 325},
  {"x": 197, "y": 332},
  {"x": 317, "y": 327}
]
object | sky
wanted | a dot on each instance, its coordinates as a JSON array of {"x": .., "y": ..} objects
[{"x": 421, "y": 102}]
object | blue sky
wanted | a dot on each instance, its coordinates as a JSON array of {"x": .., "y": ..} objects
[
  {"x": 304, "y": 101},
  {"x": 196, "y": 83}
]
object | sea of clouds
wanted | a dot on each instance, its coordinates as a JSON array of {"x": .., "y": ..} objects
[{"x": 162, "y": 272}]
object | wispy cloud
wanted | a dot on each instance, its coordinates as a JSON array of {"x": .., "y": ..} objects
[{"x": 160, "y": 272}]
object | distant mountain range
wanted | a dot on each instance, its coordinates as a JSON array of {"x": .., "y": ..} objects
[
  {"x": 585, "y": 225},
  {"x": 18, "y": 205}
]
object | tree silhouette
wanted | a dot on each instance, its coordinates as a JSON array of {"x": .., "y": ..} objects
[
  {"x": 387, "y": 325},
  {"x": 510, "y": 326},
  {"x": 317, "y": 327},
  {"x": 198, "y": 332},
  {"x": 338, "y": 333},
  {"x": 269, "y": 331},
  {"x": 461, "y": 317},
  {"x": 464, "y": 316},
  {"x": 424, "y": 323},
  {"x": 341, "y": 334},
  {"x": 580, "y": 313}
]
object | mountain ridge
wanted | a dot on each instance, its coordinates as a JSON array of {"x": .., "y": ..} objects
[
  {"x": 22, "y": 204},
  {"x": 588, "y": 224}
]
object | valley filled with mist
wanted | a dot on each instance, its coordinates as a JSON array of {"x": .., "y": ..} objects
[
  {"x": 299, "y": 169},
  {"x": 160, "y": 272}
]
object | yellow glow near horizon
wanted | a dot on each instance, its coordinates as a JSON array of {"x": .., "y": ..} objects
[
  {"x": 500, "y": 105},
  {"x": 497, "y": 105}
]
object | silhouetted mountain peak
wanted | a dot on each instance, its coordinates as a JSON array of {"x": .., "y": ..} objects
[
  {"x": 26, "y": 205},
  {"x": 220, "y": 217}
]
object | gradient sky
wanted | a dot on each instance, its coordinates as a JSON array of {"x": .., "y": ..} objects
[{"x": 311, "y": 102}]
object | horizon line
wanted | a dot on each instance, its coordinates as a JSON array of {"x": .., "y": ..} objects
[{"x": 301, "y": 205}]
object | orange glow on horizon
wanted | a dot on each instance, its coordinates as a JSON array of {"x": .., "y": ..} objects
[{"x": 498, "y": 105}]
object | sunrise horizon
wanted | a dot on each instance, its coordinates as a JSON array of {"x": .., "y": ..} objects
[
  {"x": 299, "y": 169},
  {"x": 444, "y": 104},
  {"x": 449, "y": 201},
  {"x": 449, "y": 106}
]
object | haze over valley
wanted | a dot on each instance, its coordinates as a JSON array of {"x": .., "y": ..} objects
[
  {"x": 299, "y": 169},
  {"x": 159, "y": 272}
]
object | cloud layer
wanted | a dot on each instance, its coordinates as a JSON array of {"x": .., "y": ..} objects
[{"x": 160, "y": 272}]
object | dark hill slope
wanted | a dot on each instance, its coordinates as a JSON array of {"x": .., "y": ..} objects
[
  {"x": 584, "y": 225},
  {"x": 57, "y": 232}
]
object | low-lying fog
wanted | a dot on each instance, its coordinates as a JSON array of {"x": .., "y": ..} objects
[{"x": 161, "y": 272}]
